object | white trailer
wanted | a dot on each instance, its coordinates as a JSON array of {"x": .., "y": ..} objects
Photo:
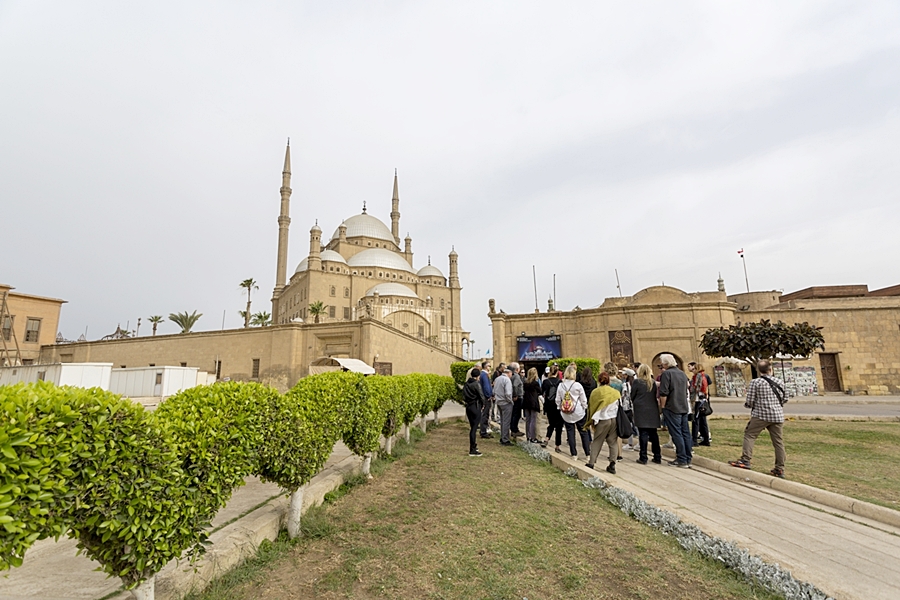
[{"x": 86, "y": 375}]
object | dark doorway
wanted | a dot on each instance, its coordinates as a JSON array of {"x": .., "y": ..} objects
[{"x": 831, "y": 378}]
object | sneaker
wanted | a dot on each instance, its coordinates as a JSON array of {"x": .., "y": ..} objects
[
  {"x": 627, "y": 447},
  {"x": 641, "y": 461},
  {"x": 669, "y": 445},
  {"x": 544, "y": 444},
  {"x": 657, "y": 461},
  {"x": 618, "y": 458},
  {"x": 677, "y": 463},
  {"x": 507, "y": 443},
  {"x": 740, "y": 464},
  {"x": 611, "y": 468},
  {"x": 476, "y": 453},
  {"x": 683, "y": 465},
  {"x": 487, "y": 436},
  {"x": 776, "y": 472},
  {"x": 590, "y": 465}
]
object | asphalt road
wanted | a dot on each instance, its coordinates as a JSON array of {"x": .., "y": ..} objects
[{"x": 885, "y": 406}]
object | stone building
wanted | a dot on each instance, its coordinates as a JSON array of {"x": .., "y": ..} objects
[
  {"x": 861, "y": 329},
  {"x": 362, "y": 272},
  {"x": 27, "y": 322}
]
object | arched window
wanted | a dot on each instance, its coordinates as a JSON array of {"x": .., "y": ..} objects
[{"x": 333, "y": 290}]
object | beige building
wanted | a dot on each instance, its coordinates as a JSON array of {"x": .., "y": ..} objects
[
  {"x": 27, "y": 322},
  {"x": 361, "y": 272},
  {"x": 861, "y": 329}
]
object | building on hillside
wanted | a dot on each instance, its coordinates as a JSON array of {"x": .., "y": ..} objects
[
  {"x": 861, "y": 329},
  {"x": 361, "y": 271},
  {"x": 378, "y": 309},
  {"x": 27, "y": 322}
]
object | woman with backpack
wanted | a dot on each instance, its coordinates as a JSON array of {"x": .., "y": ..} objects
[
  {"x": 700, "y": 396},
  {"x": 572, "y": 404},
  {"x": 554, "y": 419},
  {"x": 646, "y": 414},
  {"x": 531, "y": 405}
]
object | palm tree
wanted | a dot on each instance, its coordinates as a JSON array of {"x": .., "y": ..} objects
[
  {"x": 261, "y": 319},
  {"x": 248, "y": 284},
  {"x": 317, "y": 308},
  {"x": 156, "y": 320},
  {"x": 185, "y": 320}
]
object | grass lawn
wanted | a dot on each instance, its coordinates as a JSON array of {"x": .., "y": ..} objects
[
  {"x": 858, "y": 459},
  {"x": 439, "y": 524}
]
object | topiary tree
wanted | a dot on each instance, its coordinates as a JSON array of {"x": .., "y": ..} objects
[{"x": 752, "y": 342}]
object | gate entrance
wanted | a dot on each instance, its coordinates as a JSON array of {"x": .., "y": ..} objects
[{"x": 831, "y": 377}]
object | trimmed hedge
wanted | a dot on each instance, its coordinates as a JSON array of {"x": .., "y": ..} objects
[
  {"x": 580, "y": 363},
  {"x": 138, "y": 489}
]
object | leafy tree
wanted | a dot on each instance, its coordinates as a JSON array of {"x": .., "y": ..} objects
[
  {"x": 261, "y": 319},
  {"x": 752, "y": 342},
  {"x": 184, "y": 320},
  {"x": 156, "y": 320},
  {"x": 317, "y": 308},
  {"x": 248, "y": 284}
]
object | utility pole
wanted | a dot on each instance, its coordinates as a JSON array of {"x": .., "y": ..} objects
[
  {"x": 618, "y": 285},
  {"x": 534, "y": 279}
]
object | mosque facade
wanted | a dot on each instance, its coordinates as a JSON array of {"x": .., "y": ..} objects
[{"x": 361, "y": 272}]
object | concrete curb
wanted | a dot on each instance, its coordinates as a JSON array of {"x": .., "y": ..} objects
[
  {"x": 877, "y": 418},
  {"x": 861, "y": 508}
]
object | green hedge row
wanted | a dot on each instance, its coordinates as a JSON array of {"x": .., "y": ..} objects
[
  {"x": 138, "y": 489},
  {"x": 580, "y": 363}
]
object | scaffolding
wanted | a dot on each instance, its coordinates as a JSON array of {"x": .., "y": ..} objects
[{"x": 10, "y": 355}]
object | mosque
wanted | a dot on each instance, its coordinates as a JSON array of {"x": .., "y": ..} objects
[{"x": 362, "y": 272}]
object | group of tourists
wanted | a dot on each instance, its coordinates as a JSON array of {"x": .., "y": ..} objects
[{"x": 616, "y": 406}]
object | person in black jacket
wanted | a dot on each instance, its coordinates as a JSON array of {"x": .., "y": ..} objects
[
  {"x": 474, "y": 398},
  {"x": 554, "y": 419}
]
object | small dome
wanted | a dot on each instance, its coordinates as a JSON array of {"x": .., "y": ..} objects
[
  {"x": 391, "y": 289},
  {"x": 333, "y": 256},
  {"x": 380, "y": 257},
  {"x": 304, "y": 265},
  {"x": 429, "y": 271},
  {"x": 365, "y": 225}
]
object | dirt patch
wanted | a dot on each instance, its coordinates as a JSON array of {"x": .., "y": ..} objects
[{"x": 440, "y": 524}]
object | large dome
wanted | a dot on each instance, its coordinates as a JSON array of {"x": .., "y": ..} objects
[
  {"x": 429, "y": 271},
  {"x": 365, "y": 225},
  {"x": 326, "y": 255},
  {"x": 380, "y": 257},
  {"x": 391, "y": 289}
]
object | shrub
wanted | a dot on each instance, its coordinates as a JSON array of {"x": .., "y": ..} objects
[{"x": 580, "y": 363}]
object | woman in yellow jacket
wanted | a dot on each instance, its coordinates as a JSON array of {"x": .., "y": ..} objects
[{"x": 602, "y": 408}]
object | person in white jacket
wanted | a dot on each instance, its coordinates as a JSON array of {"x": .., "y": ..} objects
[{"x": 576, "y": 418}]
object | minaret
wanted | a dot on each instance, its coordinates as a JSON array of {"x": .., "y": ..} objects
[
  {"x": 315, "y": 248},
  {"x": 721, "y": 283},
  {"x": 407, "y": 252},
  {"x": 455, "y": 313},
  {"x": 395, "y": 211},
  {"x": 284, "y": 223}
]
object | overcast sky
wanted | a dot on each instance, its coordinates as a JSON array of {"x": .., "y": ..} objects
[{"x": 141, "y": 146}]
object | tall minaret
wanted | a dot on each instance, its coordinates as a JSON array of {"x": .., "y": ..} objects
[
  {"x": 395, "y": 211},
  {"x": 284, "y": 223},
  {"x": 455, "y": 312}
]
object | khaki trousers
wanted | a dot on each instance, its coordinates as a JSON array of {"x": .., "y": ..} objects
[
  {"x": 605, "y": 431},
  {"x": 752, "y": 431}
]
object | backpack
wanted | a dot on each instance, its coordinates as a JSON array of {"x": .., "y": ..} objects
[
  {"x": 568, "y": 402},
  {"x": 624, "y": 427}
]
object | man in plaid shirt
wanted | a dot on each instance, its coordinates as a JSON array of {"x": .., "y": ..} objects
[{"x": 765, "y": 399}]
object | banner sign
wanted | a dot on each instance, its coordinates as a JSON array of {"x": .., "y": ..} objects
[{"x": 538, "y": 348}]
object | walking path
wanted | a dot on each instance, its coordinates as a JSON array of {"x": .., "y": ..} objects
[{"x": 844, "y": 554}]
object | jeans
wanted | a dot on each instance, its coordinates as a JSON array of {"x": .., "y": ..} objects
[
  {"x": 680, "y": 432},
  {"x": 516, "y": 415},
  {"x": 585, "y": 437},
  {"x": 530, "y": 424},
  {"x": 649, "y": 434},
  {"x": 505, "y": 418},
  {"x": 473, "y": 414}
]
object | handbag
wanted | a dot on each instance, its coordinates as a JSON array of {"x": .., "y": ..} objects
[
  {"x": 624, "y": 427},
  {"x": 706, "y": 408}
]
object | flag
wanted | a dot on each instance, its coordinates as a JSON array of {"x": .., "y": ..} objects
[{"x": 741, "y": 252}]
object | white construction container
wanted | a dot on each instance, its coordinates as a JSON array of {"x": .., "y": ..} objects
[
  {"x": 152, "y": 382},
  {"x": 86, "y": 375}
]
